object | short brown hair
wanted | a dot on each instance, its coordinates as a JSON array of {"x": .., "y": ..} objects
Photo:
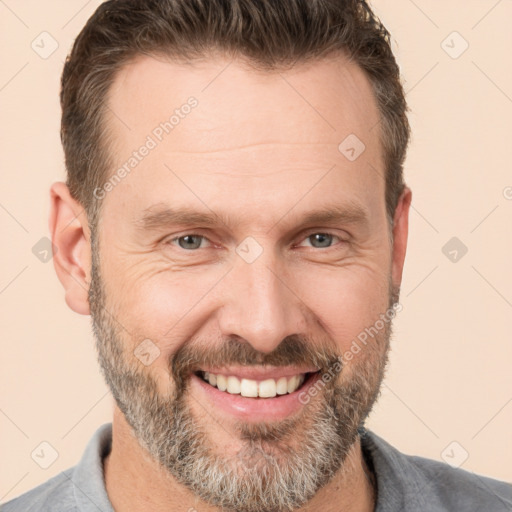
[{"x": 272, "y": 34}]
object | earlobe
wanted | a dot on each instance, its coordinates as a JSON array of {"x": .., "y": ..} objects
[
  {"x": 69, "y": 231},
  {"x": 400, "y": 233}
]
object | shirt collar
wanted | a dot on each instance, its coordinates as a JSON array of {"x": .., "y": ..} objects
[
  {"x": 400, "y": 486},
  {"x": 87, "y": 478}
]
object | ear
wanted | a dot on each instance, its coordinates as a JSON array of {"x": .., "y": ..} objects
[
  {"x": 400, "y": 232},
  {"x": 70, "y": 234}
]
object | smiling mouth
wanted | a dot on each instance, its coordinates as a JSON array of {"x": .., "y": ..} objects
[{"x": 249, "y": 388}]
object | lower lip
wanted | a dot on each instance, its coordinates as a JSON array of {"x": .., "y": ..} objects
[{"x": 254, "y": 409}]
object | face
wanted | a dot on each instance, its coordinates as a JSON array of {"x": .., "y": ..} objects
[{"x": 244, "y": 248}]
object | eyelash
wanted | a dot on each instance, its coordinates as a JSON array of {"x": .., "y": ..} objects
[{"x": 305, "y": 237}]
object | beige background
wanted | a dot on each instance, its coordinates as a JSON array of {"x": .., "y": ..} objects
[{"x": 449, "y": 378}]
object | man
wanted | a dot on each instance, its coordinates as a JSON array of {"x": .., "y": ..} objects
[{"x": 234, "y": 218}]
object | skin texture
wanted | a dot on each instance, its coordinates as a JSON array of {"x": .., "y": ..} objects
[{"x": 261, "y": 149}]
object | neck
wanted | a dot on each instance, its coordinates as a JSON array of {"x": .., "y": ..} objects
[{"x": 135, "y": 482}]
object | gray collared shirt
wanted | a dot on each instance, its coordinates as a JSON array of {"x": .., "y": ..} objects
[{"x": 404, "y": 483}]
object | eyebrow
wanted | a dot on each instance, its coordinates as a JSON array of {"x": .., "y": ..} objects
[{"x": 161, "y": 216}]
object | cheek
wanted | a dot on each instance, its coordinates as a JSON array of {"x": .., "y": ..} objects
[
  {"x": 345, "y": 300},
  {"x": 170, "y": 307},
  {"x": 165, "y": 306}
]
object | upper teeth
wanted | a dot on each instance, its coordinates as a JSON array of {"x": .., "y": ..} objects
[{"x": 268, "y": 388}]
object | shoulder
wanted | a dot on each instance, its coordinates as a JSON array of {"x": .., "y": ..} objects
[
  {"x": 413, "y": 483},
  {"x": 53, "y": 495},
  {"x": 461, "y": 488},
  {"x": 80, "y": 487}
]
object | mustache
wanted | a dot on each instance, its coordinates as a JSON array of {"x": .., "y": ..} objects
[{"x": 292, "y": 351}]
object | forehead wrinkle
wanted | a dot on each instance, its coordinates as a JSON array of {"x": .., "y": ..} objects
[{"x": 252, "y": 146}]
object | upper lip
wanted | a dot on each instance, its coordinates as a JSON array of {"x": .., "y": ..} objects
[{"x": 260, "y": 373}]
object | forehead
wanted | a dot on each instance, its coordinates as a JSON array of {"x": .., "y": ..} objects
[
  {"x": 331, "y": 96},
  {"x": 251, "y": 136}
]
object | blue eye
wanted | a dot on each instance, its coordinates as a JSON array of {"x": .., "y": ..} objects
[
  {"x": 324, "y": 240},
  {"x": 192, "y": 242},
  {"x": 189, "y": 242}
]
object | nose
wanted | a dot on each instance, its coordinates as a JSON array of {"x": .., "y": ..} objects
[{"x": 260, "y": 305}]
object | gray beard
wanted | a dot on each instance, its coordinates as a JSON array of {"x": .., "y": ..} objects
[{"x": 281, "y": 465}]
